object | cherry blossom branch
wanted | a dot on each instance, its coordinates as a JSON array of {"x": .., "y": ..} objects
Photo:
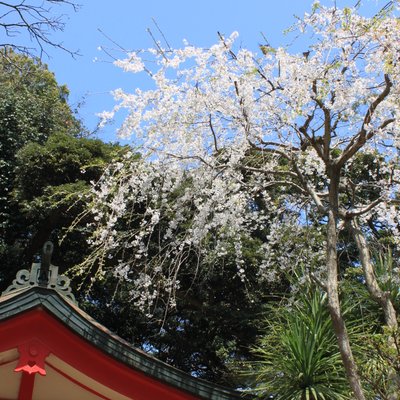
[
  {"x": 361, "y": 138},
  {"x": 324, "y": 154},
  {"x": 321, "y": 208}
]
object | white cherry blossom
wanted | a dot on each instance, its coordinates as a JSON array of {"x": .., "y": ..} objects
[{"x": 221, "y": 127}]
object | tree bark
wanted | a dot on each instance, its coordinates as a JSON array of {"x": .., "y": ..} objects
[
  {"x": 338, "y": 322},
  {"x": 379, "y": 296}
]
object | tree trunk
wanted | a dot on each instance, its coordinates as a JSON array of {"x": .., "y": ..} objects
[
  {"x": 338, "y": 322},
  {"x": 379, "y": 296}
]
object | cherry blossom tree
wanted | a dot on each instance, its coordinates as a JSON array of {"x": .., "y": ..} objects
[{"x": 221, "y": 127}]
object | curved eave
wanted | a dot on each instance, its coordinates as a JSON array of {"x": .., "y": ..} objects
[{"x": 81, "y": 324}]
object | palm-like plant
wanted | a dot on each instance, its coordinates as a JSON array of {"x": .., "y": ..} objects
[{"x": 299, "y": 355}]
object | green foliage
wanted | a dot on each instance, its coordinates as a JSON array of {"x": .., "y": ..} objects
[
  {"x": 387, "y": 273},
  {"x": 49, "y": 187},
  {"x": 32, "y": 104},
  {"x": 299, "y": 357},
  {"x": 32, "y": 107},
  {"x": 380, "y": 368},
  {"x": 378, "y": 353},
  {"x": 44, "y": 166},
  {"x": 63, "y": 160}
]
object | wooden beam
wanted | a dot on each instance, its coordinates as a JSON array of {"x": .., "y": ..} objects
[{"x": 26, "y": 386}]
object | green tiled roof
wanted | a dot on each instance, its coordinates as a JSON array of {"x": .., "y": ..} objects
[{"x": 20, "y": 301}]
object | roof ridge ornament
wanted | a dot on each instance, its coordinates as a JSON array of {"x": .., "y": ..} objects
[{"x": 42, "y": 274}]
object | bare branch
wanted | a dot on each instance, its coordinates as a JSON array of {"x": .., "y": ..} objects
[
  {"x": 157, "y": 44},
  {"x": 221, "y": 37},
  {"x": 269, "y": 171},
  {"x": 35, "y": 21},
  {"x": 357, "y": 213},
  {"x": 162, "y": 34},
  {"x": 214, "y": 135},
  {"x": 271, "y": 150},
  {"x": 112, "y": 41},
  {"x": 286, "y": 183},
  {"x": 380, "y": 296}
]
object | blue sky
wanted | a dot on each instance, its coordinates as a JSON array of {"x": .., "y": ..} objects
[{"x": 126, "y": 21}]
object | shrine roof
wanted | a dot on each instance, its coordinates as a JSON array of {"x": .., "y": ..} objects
[{"x": 17, "y": 302}]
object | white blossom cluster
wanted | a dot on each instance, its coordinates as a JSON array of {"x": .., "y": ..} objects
[{"x": 224, "y": 130}]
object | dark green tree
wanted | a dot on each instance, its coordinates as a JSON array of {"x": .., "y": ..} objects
[
  {"x": 32, "y": 106},
  {"x": 43, "y": 161},
  {"x": 48, "y": 194}
]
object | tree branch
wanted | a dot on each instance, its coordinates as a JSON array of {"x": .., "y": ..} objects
[
  {"x": 214, "y": 135},
  {"x": 361, "y": 138},
  {"x": 36, "y": 21},
  {"x": 357, "y": 213},
  {"x": 309, "y": 189}
]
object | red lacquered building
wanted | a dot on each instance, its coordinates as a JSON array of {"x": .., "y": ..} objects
[{"x": 52, "y": 350}]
